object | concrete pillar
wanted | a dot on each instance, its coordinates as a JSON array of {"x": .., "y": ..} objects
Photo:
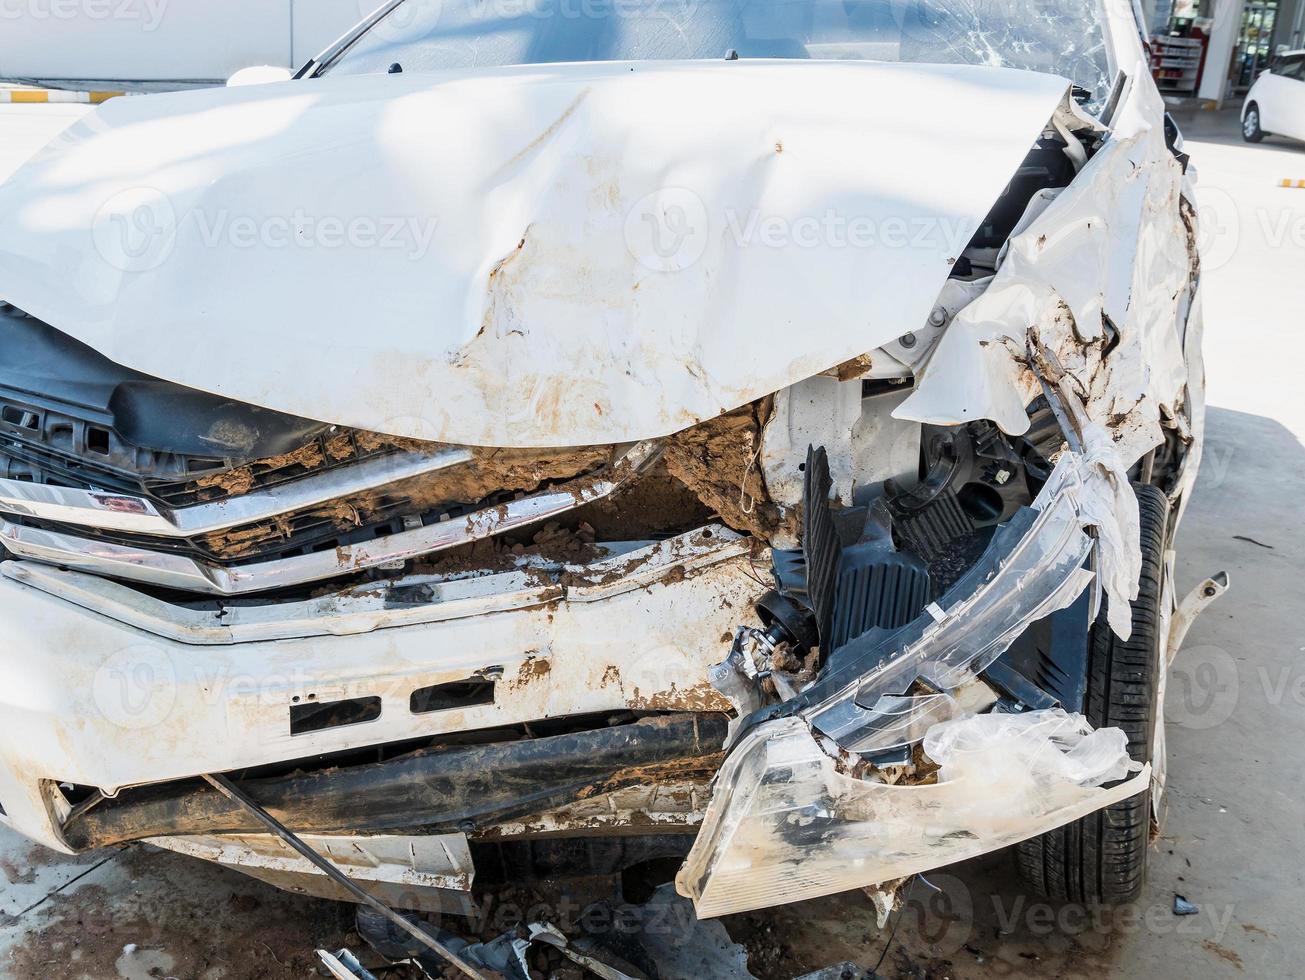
[{"x": 1227, "y": 22}]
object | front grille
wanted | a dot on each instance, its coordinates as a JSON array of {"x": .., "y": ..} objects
[
  {"x": 48, "y": 446},
  {"x": 344, "y": 521},
  {"x": 71, "y": 419}
]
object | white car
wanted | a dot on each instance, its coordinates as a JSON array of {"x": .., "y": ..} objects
[
  {"x": 1275, "y": 105},
  {"x": 749, "y": 433}
]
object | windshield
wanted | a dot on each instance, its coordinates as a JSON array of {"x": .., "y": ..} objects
[{"x": 1064, "y": 37}]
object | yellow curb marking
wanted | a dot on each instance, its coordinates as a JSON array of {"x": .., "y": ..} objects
[{"x": 32, "y": 96}]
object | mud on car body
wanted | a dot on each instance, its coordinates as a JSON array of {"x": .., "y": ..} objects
[{"x": 596, "y": 526}]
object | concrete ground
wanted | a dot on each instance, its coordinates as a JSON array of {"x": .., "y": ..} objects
[{"x": 1233, "y": 831}]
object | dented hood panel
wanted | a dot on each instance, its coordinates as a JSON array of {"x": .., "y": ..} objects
[{"x": 540, "y": 256}]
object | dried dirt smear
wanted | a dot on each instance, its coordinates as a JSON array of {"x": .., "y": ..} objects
[
  {"x": 490, "y": 471},
  {"x": 717, "y": 460},
  {"x": 338, "y": 448}
]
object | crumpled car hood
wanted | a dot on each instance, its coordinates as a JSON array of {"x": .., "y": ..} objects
[{"x": 538, "y": 256}]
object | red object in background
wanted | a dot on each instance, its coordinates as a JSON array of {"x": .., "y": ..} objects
[{"x": 1178, "y": 61}]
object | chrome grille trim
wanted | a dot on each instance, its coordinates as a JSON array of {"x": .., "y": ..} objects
[
  {"x": 193, "y": 575},
  {"x": 110, "y": 511}
]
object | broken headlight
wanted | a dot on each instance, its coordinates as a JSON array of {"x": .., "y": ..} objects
[{"x": 790, "y": 818}]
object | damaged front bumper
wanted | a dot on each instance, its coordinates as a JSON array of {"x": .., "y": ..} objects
[
  {"x": 112, "y": 692},
  {"x": 150, "y": 692}
]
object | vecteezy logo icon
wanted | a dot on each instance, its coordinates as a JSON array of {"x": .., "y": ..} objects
[
  {"x": 135, "y": 230},
  {"x": 938, "y": 914},
  {"x": 136, "y": 688},
  {"x": 1219, "y": 227},
  {"x": 667, "y": 230},
  {"x": 1203, "y": 688}
]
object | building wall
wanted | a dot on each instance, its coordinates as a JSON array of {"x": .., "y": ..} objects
[
  {"x": 1289, "y": 31},
  {"x": 165, "y": 40}
]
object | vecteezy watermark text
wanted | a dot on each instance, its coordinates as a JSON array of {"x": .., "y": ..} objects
[
  {"x": 302, "y": 230},
  {"x": 834, "y": 229},
  {"x": 148, "y": 13},
  {"x": 137, "y": 230}
]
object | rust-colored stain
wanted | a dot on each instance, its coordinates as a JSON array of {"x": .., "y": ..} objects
[
  {"x": 543, "y": 137},
  {"x": 1223, "y": 952},
  {"x": 533, "y": 670},
  {"x": 699, "y": 697}
]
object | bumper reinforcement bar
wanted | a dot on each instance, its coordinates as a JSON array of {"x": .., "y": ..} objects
[{"x": 437, "y": 790}]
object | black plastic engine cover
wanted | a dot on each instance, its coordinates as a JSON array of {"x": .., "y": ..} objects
[{"x": 43, "y": 370}]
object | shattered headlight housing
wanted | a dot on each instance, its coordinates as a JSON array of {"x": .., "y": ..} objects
[
  {"x": 786, "y": 825},
  {"x": 790, "y": 819},
  {"x": 1033, "y": 567}
]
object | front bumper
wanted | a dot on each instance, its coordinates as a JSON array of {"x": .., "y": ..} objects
[
  {"x": 106, "y": 687},
  {"x": 112, "y": 689}
]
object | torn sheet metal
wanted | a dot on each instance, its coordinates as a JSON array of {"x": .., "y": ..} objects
[
  {"x": 548, "y": 934},
  {"x": 558, "y": 255},
  {"x": 660, "y": 938},
  {"x": 665, "y": 938},
  {"x": 343, "y": 965},
  {"x": 1102, "y": 277},
  {"x": 1108, "y": 503},
  {"x": 786, "y": 825}
]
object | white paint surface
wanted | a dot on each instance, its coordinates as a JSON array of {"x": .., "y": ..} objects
[
  {"x": 560, "y": 255},
  {"x": 27, "y": 128}
]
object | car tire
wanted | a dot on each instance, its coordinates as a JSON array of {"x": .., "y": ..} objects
[
  {"x": 1101, "y": 858},
  {"x": 1251, "y": 131}
]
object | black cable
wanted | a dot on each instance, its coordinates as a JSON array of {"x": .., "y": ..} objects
[
  {"x": 235, "y": 795},
  {"x": 906, "y": 898}
]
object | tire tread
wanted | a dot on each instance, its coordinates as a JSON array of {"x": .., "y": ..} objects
[{"x": 1101, "y": 858}]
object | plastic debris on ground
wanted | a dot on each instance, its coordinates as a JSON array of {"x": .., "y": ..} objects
[{"x": 662, "y": 939}]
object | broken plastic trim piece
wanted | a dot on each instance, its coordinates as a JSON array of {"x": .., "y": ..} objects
[
  {"x": 178, "y": 571},
  {"x": 903, "y": 721},
  {"x": 270, "y": 823},
  {"x": 343, "y": 965},
  {"x": 1193, "y": 604},
  {"x": 785, "y": 825},
  {"x": 1033, "y": 567}
]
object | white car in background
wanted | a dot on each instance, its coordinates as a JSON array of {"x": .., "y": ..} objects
[{"x": 1276, "y": 102}]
